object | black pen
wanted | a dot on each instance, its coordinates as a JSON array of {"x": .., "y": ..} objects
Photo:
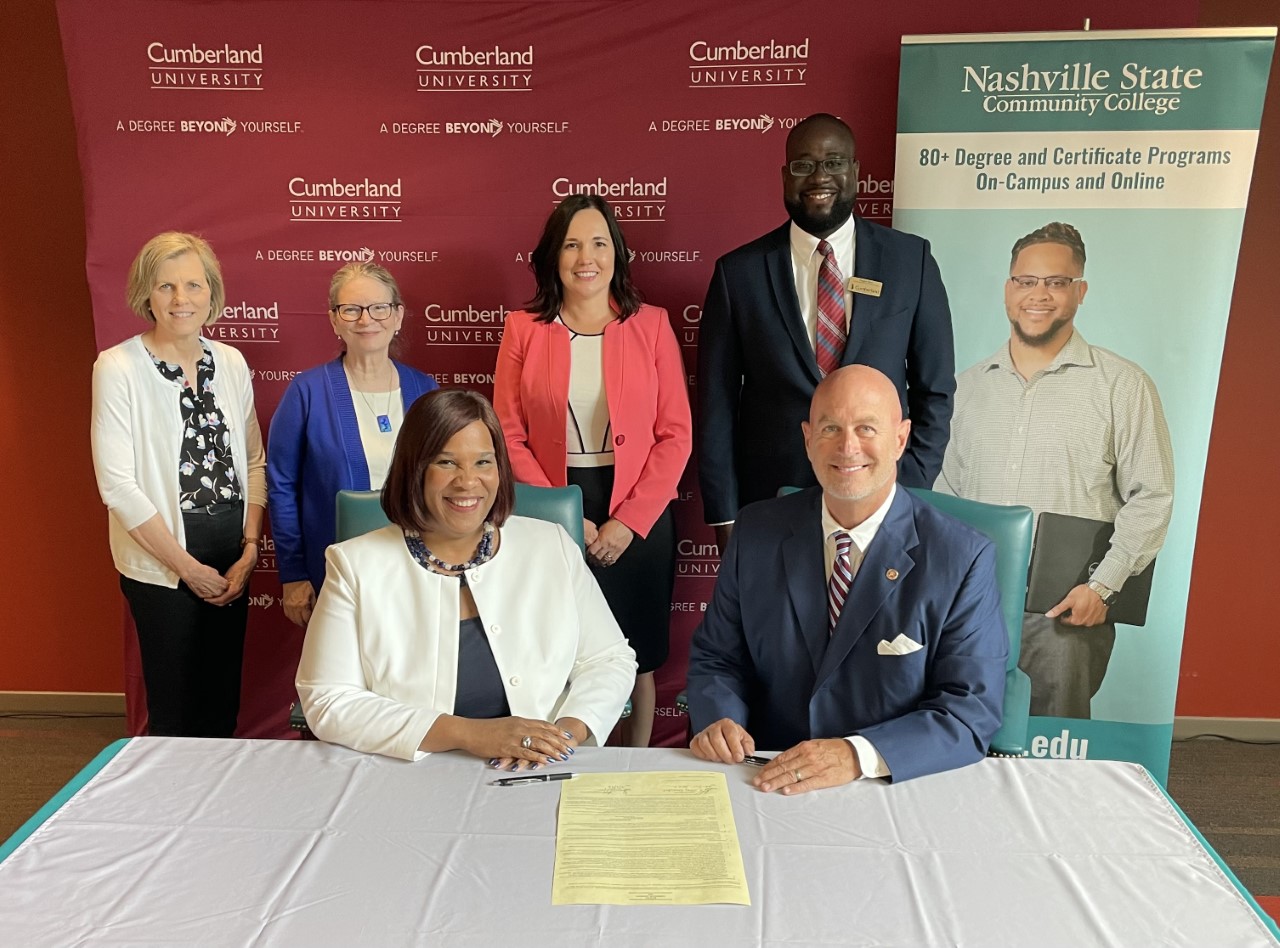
[
  {"x": 753, "y": 761},
  {"x": 530, "y": 778}
]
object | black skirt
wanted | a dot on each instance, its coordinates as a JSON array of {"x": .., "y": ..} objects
[{"x": 638, "y": 586}]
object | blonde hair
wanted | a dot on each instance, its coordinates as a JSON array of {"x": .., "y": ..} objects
[
  {"x": 371, "y": 270},
  {"x": 164, "y": 247}
]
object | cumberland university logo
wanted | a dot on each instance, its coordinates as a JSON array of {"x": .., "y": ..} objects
[
  {"x": 468, "y": 325},
  {"x": 338, "y": 200},
  {"x": 246, "y": 322},
  {"x": 193, "y": 66},
  {"x": 737, "y": 64},
  {"x": 464, "y": 69},
  {"x": 632, "y": 199},
  {"x": 697, "y": 559}
]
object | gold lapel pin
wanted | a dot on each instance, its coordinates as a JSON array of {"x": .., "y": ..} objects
[{"x": 891, "y": 573}]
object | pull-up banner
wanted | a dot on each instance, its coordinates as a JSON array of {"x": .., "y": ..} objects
[{"x": 1144, "y": 142}]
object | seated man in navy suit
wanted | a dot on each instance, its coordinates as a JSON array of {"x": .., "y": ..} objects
[{"x": 853, "y": 626}]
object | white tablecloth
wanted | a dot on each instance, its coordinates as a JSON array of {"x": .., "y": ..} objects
[{"x": 210, "y": 842}]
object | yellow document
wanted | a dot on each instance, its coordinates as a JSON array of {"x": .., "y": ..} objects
[{"x": 647, "y": 839}]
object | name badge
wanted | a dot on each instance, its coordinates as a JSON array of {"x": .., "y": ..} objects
[{"x": 865, "y": 287}]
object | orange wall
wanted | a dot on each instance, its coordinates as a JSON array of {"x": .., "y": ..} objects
[
  {"x": 1231, "y": 651},
  {"x": 62, "y": 631},
  {"x": 61, "y": 625}
]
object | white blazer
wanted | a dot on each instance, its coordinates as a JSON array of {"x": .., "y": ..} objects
[{"x": 380, "y": 659}]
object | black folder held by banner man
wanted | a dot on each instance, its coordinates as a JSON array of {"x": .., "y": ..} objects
[{"x": 1067, "y": 550}]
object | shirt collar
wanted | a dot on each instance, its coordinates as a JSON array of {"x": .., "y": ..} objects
[
  {"x": 804, "y": 245},
  {"x": 1074, "y": 352},
  {"x": 864, "y": 532}
]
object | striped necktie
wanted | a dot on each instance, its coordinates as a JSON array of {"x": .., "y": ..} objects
[
  {"x": 841, "y": 580},
  {"x": 831, "y": 336}
]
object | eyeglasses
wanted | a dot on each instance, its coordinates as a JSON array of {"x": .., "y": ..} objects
[
  {"x": 351, "y": 313},
  {"x": 1051, "y": 283},
  {"x": 803, "y": 167}
]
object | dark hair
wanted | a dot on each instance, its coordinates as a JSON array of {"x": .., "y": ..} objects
[
  {"x": 428, "y": 425},
  {"x": 544, "y": 263},
  {"x": 1055, "y": 233}
]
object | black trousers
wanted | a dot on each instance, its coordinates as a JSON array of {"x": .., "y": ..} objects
[
  {"x": 638, "y": 587},
  {"x": 192, "y": 651}
]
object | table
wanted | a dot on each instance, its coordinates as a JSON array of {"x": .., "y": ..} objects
[{"x": 172, "y": 841}]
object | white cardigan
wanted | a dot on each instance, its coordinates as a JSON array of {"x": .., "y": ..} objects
[
  {"x": 136, "y": 433},
  {"x": 380, "y": 660}
]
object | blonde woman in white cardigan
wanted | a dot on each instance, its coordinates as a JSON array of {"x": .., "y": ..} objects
[
  {"x": 459, "y": 626},
  {"x": 179, "y": 462}
]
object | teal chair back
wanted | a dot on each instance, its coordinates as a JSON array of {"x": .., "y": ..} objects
[
  {"x": 562, "y": 505},
  {"x": 1010, "y": 529},
  {"x": 360, "y": 511}
]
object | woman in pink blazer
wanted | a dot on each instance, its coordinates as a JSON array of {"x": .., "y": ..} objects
[{"x": 590, "y": 389}]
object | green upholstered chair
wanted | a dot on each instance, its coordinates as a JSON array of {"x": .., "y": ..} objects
[
  {"x": 1010, "y": 529},
  {"x": 359, "y": 512},
  {"x": 562, "y": 505}
]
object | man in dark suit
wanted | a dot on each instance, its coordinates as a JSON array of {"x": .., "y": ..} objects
[
  {"x": 826, "y": 289},
  {"x": 851, "y": 623}
]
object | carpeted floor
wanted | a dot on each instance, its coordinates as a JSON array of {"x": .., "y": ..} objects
[{"x": 1231, "y": 791}]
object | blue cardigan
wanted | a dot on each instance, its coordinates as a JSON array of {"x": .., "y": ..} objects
[{"x": 314, "y": 451}]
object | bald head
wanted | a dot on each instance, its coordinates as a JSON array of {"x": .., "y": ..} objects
[
  {"x": 854, "y": 437},
  {"x": 857, "y": 384}
]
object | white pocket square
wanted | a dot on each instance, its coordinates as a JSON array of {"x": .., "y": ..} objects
[{"x": 899, "y": 646}]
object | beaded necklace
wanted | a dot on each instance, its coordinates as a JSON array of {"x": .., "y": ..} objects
[{"x": 428, "y": 560}]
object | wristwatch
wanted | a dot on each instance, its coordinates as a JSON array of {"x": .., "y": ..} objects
[{"x": 1106, "y": 595}]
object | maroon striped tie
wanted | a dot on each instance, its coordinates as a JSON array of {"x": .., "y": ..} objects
[
  {"x": 831, "y": 332},
  {"x": 841, "y": 579}
]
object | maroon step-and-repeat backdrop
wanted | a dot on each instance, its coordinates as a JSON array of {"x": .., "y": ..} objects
[{"x": 434, "y": 138}]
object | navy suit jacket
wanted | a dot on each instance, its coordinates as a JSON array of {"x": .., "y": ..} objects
[
  {"x": 762, "y": 655},
  {"x": 757, "y": 370}
]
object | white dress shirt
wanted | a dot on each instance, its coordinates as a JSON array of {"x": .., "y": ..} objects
[
  {"x": 806, "y": 263},
  {"x": 869, "y": 759}
]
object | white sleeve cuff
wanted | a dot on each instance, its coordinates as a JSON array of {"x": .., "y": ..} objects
[{"x": 869, "y": 760}]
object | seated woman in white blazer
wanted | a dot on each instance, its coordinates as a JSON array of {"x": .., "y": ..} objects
[{"x": 459, "y": 626}]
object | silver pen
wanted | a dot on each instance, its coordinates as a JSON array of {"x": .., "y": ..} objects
[{"x": 530, "y": 778}]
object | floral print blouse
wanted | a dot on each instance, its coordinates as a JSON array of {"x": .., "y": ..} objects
[{"x": 206, "y": 471}]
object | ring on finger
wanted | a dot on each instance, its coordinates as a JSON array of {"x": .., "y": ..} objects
[
  {"x": 527, "y": 742},
  {"x": 796, "y": 774}
]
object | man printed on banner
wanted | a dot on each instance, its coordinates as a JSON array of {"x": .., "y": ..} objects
[{"x": 1056, "y": 424}]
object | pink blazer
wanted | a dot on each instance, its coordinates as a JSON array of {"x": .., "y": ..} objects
[{"x": 644, "y": 382}]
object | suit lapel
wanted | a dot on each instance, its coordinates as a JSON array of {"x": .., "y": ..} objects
[
  {"x": 868, "y": 258},
  {"x": 782, "y": 281},
  {"x": 802, "y": 557},
  {"x": 889, "y": 554}
]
